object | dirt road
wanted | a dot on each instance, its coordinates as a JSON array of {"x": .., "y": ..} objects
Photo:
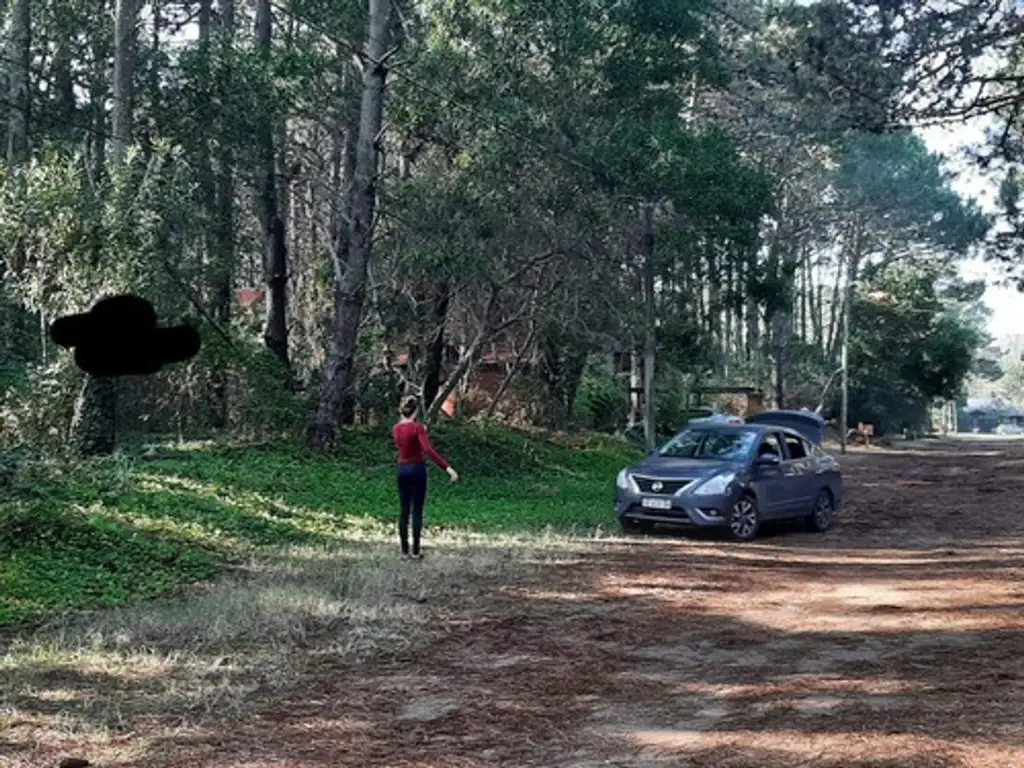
[{"x": 893, "y": 640}]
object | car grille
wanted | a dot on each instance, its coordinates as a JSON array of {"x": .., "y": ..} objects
[{"x": 666, "y": 487}]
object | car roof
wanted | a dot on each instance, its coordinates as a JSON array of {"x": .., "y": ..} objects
[
  {"x": 759, "y": 428},
  {"x": 813, "y": 415}
]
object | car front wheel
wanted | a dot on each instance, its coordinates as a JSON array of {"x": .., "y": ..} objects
[
  {"x": 820, "y": 519},
  {"x": 744, "y": 519}
]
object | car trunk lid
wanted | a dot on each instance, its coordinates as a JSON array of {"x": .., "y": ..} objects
[{"x": 808, "y": 423}]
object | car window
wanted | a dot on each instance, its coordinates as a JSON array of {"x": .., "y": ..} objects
[
  {"x": 770, "y": 445},
  {"x": 796, "y": 447},
  {"x": 683, "y": 445},
  {"x": 728, "y": 444}
]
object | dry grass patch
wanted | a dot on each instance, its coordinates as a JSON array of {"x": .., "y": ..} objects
[{"x": 208, "y": 655}]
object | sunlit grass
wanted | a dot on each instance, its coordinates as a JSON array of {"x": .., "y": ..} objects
[{"x": 148, "y": 521}]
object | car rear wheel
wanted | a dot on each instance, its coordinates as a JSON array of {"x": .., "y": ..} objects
[
  {"x": 744, "y": 519},
  {"x": 820, "y": 519}
]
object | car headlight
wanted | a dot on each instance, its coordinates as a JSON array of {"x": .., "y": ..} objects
[
  {"x": 715, "y": 486},
  {"x": 622, "y": 481}
]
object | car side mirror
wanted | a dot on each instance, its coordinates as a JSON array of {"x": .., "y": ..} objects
[{"x": 768, "y": 460}]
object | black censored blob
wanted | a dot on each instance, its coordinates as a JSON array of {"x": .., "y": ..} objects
[{"x": 119, "y": 337}]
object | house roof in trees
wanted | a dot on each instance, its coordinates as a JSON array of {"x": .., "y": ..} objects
[
  {"x": 499, "y": 351},
  {"x": 729, "y": 390}
]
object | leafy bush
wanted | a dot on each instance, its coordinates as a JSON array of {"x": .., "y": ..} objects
[
  {"x": 261, "y": 403},
  {"x": 379, "y": 394},
  {"x": 38, "y": 411},
  {"x": 602, "y": 401},
  {"x": 671, "y": 403}
]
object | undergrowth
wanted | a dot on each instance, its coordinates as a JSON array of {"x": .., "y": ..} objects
[{"x": 147, "y": 521}]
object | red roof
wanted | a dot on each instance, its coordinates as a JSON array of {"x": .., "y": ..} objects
[{"x": 248, "y": 297}]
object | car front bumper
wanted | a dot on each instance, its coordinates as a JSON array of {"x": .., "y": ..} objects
[{"x": 687, "y": 510}]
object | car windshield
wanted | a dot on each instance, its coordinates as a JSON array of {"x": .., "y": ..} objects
[{"x": 728, "y": 444}]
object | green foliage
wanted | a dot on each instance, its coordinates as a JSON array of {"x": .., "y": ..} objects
[
  {"x": 602, "y": 400},
  {"x": 893, "y": 179},
  {"x": 37, "y": 410},
  {"x": 20, "y": 343},
  {"x": 129, "y": 528},
  {"x": 987, "y": 368},
  {"x": 53, "y": 558},
  {"x": 1009, "y": 384},
  {"x": 262, "y": 405},
  {"x": 527, "y": 135},
  {"x": 836, "y": 60},
  {"x": 78, "y": 242},
  {"x": 46, "y": 206},
  {"x": 808, "y": 372},
  {"x": 913, "y": 346},
  {"x": 681, "y": 345},
  {"x": 671, "y": 404}
]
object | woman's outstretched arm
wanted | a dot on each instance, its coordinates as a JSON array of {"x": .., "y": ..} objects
[{"x": 428, "y": 449}]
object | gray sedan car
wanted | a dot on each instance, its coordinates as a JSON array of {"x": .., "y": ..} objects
[{"x": 731, "y": 477}]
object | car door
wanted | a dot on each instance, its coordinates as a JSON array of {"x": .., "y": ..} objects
[
  {"x": 801, "y": 472},
  {"x": 770, "y": 482},
  {"x": 826, "y": 473}
]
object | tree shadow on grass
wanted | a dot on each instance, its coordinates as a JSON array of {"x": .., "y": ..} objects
[{"x": 205, "y": 520}]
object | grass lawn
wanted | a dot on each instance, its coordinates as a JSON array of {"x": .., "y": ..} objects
[{"x": 136, "y": 527}]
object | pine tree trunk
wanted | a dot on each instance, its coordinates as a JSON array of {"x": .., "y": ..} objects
[
  {"x": 804, "y": 287},
  {"x": 576, "y": 366},
  {"x": 223, "y": 260},
  {"x": 435, "y": 352},
  {"x": 275, "y": 264},
  {"x": 94, "y": 424},
  {"x": 343, "y": 170},
  {"x": 18, "y": 59},
  {"x": 727, "y": 316},
  {"x": 636, "y": 385},
  {"x": 4, "y": 75},
  {"x": 753, "y": 316},
  {"x": 350, "y": 292},
  {"x": 97, "y": 96},
  {"x": 93, "y": 427},
  {"x": 64, "y": 82},
  {"x": 207, "y": 184},
  {"x": 125, "y": 21},
  {"x": 650, "y": 349}
]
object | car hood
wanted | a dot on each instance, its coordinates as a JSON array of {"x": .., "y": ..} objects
[{"x": 668, "y": 468}]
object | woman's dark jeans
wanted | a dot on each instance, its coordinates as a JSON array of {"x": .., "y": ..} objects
[{"x": 412, "y": 494}]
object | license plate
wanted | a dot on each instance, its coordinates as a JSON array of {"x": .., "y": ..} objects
[{"x": 656, "y": 503}]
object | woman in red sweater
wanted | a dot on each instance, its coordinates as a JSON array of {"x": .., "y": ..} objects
[{"x": 413, "y": 444}]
